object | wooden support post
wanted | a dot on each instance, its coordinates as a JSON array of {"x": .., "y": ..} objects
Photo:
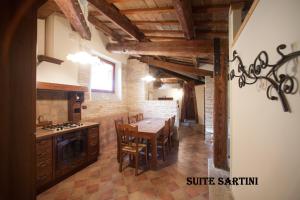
[{"x": 220, "y": 107}]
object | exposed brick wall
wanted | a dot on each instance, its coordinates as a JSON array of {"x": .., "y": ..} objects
[
  {"x": 136, "y": 88},
  {"x": 209, "y": 104},
  {"x": 104, "y": 108},
  {"x": 53, "y": 106},
  {"x": 137, "y": 92}
]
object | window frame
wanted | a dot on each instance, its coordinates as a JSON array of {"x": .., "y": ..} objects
[{"x": 113, "y": 77}]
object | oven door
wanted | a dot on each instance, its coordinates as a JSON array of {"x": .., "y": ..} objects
[{"x": 71, "y": 150}]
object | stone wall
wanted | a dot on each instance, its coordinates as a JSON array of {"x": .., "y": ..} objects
[
  {"x": 104, "y": 108},
  {"x": 52, "y": 106},
  {"x": 129, "y": 98},
  {"x": 137, "y": 93},
  {"x": 209, "y": 104}
]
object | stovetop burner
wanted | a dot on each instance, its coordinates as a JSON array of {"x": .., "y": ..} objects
[{"x": 63, "y": 126}]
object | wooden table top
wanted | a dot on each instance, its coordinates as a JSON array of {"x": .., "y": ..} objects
[{"x": 151, "y": 125}]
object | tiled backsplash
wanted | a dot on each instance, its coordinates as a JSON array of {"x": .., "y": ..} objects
[{"x": 52, "y": 106}]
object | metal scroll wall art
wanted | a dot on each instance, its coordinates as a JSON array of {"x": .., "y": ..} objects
[{"x": 261, "y": 69}]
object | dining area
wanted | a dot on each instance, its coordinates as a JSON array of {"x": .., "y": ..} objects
[
  {"x": 144, "y": 141},
  {"x": 122, "y": 171}
]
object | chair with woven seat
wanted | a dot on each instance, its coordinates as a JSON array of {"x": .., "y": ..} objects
[
  {"x": 132, "y": 119},
  {"x": 118, "y": 122},
  {"x": 172, "y": 131},
  {"x": 131, "y": 147},
  {"x": 163, "y": 139}
]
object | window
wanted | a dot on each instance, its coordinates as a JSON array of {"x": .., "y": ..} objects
[{"x": 103, "y": 76}]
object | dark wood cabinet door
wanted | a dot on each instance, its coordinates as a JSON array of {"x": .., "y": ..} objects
[
  {"x": 93, "y": 143},
  {"x": 44, "y": 162}
]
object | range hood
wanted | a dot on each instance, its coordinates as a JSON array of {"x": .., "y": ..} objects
[{"x": 51, "y": 34}]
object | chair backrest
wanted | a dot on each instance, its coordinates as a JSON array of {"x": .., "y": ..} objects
[
  {"x": 132, "y": 119},
  {"x": 173, "y": 122},
  {"x": 166, "y": 130},
  {"x": 127, "y": 132},
  {"x": 117, "y": 122},
  {"x": 140, "y": 116}
]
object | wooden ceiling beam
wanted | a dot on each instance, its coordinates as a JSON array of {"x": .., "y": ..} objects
[
  {"x": 163, "y": 38},
  {"x": 200, "y": 23},
  {"x": 166, "y": 33},
  {"x": 147, "y": 10},
  {"x": 193, "y": 48},
  {"x": 176, "y": 67},
  {"x": 216, "y": 8},
  {"x": 146, "y": 22},
  {"x": 184, "y": 77},
  {"x": 117, "y": 18},
  {"x": 211, "y": 9},
  {"x": 167, "y": 22},
  {"x": 211, "y": 34},
  {"x": 105, "y": 29},
  {"x": 184, "y": 15},
  {"x": 73, "y": 13},
  {"x": 180, "y": 34}
]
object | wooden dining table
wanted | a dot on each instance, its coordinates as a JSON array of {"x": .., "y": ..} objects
[{"x": 150, "y": 129}]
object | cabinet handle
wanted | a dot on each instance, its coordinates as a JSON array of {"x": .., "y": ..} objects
[
  {"x": 42, "y": 164},
  {"x": 93, "y": 143},
  {"x": 41, "y": 178},
  {"x": 41, "y": 154}
]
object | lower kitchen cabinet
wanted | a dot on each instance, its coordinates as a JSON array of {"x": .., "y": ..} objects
[
  {"x": 44, "y": 162},
  {"x": 55, "y": 159},
  {"x": 93, "y": 143}
]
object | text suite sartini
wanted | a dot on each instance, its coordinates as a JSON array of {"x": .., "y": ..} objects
[{"x": 222, "y": 181}]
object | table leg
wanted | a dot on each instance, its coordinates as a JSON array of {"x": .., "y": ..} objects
[{"x": 153, "y": 153}]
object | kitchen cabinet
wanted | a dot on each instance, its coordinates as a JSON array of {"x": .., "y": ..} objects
[
  {"x": 44, "y": 162},
  {"x": 49, "y": 154},
  {"x": 93, "y": 144}
]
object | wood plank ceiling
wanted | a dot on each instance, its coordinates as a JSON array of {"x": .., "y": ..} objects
[{"x": 161, "y": 22}]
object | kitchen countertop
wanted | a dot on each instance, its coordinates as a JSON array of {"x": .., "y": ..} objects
[{"x": 41, "y": 133}]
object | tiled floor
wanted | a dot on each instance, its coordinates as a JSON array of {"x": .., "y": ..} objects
[{"x": 102, "y": 180}]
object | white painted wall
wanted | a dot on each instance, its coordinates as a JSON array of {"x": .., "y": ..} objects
[
  {"x": 264, "y": 139},
  {"x": 61, "y": 40}
]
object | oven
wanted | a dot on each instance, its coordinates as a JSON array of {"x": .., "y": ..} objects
[{"x": 71, "y": 151}]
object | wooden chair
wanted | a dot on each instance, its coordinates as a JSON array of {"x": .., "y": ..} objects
[
  {"x": 132, "y": 119},
  {"x": 131, "y": 147},
  {"x": 163, "y": 139},
  {"x": 172, "y": 129},
  {"x": 117, "y": 123},
  {"x": 140, "y": 116}
]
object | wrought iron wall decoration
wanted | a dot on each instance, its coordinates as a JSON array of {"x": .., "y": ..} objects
[{"x": 282, "y": 83}]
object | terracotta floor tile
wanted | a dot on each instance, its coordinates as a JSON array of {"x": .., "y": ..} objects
[
  {"x": 172, "y": 186},
  {"x": 103, "y": 181},
  {"x": 92, "y": 188}
]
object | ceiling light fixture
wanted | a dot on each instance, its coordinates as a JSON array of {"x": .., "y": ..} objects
[
  {"x": 148, "y": 78},
  {"x": 83, "y": 58}
]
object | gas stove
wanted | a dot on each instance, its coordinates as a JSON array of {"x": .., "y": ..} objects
[{"x": 63, "y": 126}]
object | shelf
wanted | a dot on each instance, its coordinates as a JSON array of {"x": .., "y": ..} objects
[
  {"x": 42, "y": 58},
  {"x": 60, "y": 87}
]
